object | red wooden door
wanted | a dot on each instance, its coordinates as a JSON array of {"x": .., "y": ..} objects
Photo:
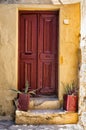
[{"x": 38, "y": 50}]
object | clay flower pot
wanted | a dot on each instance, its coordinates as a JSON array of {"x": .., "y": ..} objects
[
  {"x": 24, "y": 97},
  {"x": 70, "y": 102},
  {"x": 23, "y": 101}
]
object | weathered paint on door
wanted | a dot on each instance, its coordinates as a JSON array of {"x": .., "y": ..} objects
[{"x": 38, "y": 47}]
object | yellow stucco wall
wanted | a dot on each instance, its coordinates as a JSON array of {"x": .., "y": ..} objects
[
  {"x": 69, "y": 45},
  {"x": 68, "y": 48}
]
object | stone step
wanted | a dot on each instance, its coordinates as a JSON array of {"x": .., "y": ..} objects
[
  {"x": 44, "y": 102},
  {"x": 37, "y": 117}
]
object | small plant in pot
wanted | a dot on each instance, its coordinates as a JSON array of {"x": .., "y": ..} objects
[
  {"x": 70, "y": 97},
  {"x": 24, "y": 97}
]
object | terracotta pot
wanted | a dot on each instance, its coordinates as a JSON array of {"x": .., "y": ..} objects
[
  {"x": 23, "y": 101},
  {"x": 70, "y": 102}
]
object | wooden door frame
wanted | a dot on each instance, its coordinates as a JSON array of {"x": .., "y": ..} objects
[{"x": 38, "y": 11}]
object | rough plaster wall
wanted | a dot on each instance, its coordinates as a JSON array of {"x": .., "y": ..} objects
[
  {"x": 82, "y": 101},
  {"x": 7, "y": 57}
]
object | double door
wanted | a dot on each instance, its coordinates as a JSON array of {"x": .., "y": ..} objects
[{"x": 38, "y": 51}]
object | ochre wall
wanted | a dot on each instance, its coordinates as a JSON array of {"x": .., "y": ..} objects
[
  {"x": 8, "y": 57},
  {"x": 69, "y": 51},
  {"x": 68, "y": 48}
]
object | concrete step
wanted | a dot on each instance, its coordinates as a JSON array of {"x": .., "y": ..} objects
[
  {"x": 44, "y": 102},
  {"x": 37, "y": 117}
]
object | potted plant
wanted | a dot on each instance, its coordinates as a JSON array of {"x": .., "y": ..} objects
[
  {"x": 24, "y": 97},
  {"x": 70, "y": 97}
]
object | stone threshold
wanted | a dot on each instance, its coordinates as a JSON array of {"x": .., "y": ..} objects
[
  {"x": 44, "y": 102},
  {"x": 37, "y": 117}
]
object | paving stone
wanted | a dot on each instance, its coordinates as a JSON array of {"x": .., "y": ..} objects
[
  {"x": 46, "y": 127},
  {"x": 4, "y": 124},
  {"x": 10, "y": 125}
]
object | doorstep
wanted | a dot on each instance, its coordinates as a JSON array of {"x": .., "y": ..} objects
[
  {"x": 44, "y": 102},
  {"x": 37, "y": 117}
]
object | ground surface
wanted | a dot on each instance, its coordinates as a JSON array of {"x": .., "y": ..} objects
[{"x": 10, "y": 125}]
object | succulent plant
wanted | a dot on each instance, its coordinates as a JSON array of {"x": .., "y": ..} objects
[
  {"x": 26, "y": 90},
  {"x": 71, "y": 88}
]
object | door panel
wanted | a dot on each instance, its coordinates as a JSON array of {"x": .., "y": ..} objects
[
  {"x": 28, "y": 50},
  {"x": 47, "y": 54},
  {"x": 38, "y": 51},
  {"x": 48, "y": 83}
]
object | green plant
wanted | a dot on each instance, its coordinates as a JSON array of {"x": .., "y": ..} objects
[
  {"x": 26, "y": 90},
  {"x": 71, "y": 88}
]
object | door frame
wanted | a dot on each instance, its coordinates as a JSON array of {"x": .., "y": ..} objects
[{"x": 57, "y": 42}]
